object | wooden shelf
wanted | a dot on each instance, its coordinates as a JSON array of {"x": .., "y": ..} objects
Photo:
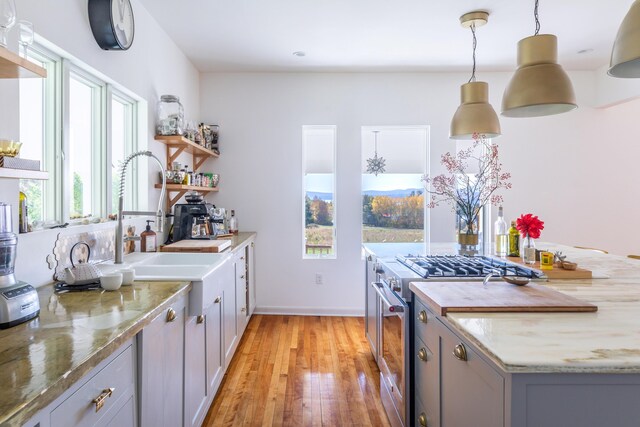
[
  {"x": 12, "y": 66},
  {"x": 181, "y": 190},
  {"x": 23, "y": 174},
  {"x": 177, "y": 145}
]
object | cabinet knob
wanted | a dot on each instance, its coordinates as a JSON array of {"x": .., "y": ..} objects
[
  {"x": 218, "y": 300},
  {"x": 422, "y": 316},
  {"x": 252, "y": 244},
  {"x": 460, "y": 352},
  {"x": 171, "y": 315},
  {"x": 242, "y": 257},
  {"x": 369, "y": 258},
  {"x": 422, "y": 419},
  {"x": 242, "y": 277},
  {"x": 243, "y": 310},
  {"x": 422, "y": 354},
  {"x": 99, "y": 401},
  {"x": 200, "y": 319}
]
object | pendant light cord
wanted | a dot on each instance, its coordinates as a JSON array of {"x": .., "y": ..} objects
[
  {"x": 537, "y": 18},
  {"x": 475, "y": 44}
]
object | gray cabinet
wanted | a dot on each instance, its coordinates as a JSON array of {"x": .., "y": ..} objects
[
  {"x": 195, "y": 372},
  {"x": 161, "y": 368}
]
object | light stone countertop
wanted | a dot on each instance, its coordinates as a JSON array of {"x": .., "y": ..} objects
[
  {"x": 75, "y": 331},
  {"x": 607, "y": 341}
]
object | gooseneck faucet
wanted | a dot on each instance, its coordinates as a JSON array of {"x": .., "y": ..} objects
[{"x": 121, "y": 212}]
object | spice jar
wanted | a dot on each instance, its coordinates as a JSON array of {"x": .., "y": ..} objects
[{"x": 170, "y": 120}]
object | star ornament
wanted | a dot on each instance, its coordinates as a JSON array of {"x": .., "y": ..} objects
[{"x": 375, "y": 165}]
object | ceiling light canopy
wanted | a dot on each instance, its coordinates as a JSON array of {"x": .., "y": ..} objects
[
  {"x": 539, "y": 87},
  {"x": 474, "y": 115},
  {"x": 625, "y": 56}
]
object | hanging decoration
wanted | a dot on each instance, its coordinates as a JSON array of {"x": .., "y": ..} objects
[{"x": 375, "y": 165}]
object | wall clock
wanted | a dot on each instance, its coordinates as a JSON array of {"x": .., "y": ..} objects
[{"x": 112, "y": 23}]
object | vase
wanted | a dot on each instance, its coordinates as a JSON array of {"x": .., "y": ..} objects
[
  {"x": 528, "y": 249},
  {"x": 469, "y": 234}
]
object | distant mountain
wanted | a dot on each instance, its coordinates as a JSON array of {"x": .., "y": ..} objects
[
  {"x": 394, "y": 193},
  {"x": 327, "y": 197}
]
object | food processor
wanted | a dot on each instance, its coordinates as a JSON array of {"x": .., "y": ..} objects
[{"x": 18, "y": 300}]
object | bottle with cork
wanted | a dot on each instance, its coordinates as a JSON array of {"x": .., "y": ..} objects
[{"x": 233, "y": 223}]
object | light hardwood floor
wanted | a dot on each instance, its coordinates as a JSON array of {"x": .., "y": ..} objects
[{"x": 300, "y": 371}]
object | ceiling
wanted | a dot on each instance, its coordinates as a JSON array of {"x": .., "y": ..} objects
[{"x": 381, "y": 35}]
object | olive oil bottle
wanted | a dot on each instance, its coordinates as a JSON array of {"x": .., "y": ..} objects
[{"x": 514, "y": 240}]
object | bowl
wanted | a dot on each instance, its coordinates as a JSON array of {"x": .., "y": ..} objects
[
  {"x": 569, "y": 265},
  {"x": 516, "y": 280},
  {"x": 128, "y": 276},
  {"x": 9, "y": 148},
  {"x": 111, "y": 281}
]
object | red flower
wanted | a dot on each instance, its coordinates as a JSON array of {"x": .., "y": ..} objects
[{"x": 529, "y": 225}]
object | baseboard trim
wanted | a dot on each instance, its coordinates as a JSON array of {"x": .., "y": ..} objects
[{"x": 310, "y": 311}]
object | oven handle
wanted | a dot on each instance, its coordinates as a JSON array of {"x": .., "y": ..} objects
[{"x": 394, "y": 308}]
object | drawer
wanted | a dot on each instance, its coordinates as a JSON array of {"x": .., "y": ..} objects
[
  {"x": 421, "y": 417},
  {"x": 79, "y": 408},
  {"x": 426, "y": 324},
  {"x": 427, "y": 382}
]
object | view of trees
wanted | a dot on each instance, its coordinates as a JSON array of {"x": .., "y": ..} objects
[
  {"x": 394, "y": 212},
  {"x": 318, "y": 211}
]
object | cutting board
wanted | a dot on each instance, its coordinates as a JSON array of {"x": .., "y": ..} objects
[
  {"x": 557, "y": 273},
  {"x": 498, "y": 296},
  {"x": 197, "y": 246}
]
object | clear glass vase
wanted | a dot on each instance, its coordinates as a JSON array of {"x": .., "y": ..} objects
[
  {"x": 528, "y": 249},
  {"x": 469, "y": 234}
]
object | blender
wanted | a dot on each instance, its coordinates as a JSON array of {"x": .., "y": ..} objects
[{"x": 18, "y": 300}]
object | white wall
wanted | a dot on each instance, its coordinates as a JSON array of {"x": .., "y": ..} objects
[
  {"x": 153, "y": 66},
  {"x": 565, "y": 168}
]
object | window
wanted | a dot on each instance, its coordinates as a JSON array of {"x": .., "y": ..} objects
[
  {"x": 319, "y": 195},
  {"x": 393, "y": 201},
  {"x": 80, "y": 126}
]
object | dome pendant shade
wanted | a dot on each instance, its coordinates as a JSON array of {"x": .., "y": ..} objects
[
  {"x": 474, "y": 115},
  {"x": 625, "y": 56},
  {"x": 539, "y": 87}
]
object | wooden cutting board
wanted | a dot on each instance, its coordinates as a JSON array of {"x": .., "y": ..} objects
[
  {"x": 498, "y": 296},
  {"x": 557, "y": 273},
  {"x": 197, "y": 246}
]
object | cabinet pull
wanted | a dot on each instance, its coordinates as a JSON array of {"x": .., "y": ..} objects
[
  {"x": 252, "y": 244},
  {"x": 99, "y": 401},
  {"x": 243, "y": 310},
  {"x": 422, "y": 354},
  {"x": 422, "y": 316},
  {"x": 422, "y": 419},
  {"x": 171, "y": 315},
  {"x": 217, "y": 300},
  {"x": 369, "y": 258},
  {"x": 242, "y": 258},
  {"x": 460, "y": 352},
  {"x": 242, "y": 277},
  {"x": 200, "y": 319}
]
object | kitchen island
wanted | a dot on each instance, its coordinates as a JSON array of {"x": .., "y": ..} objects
[{"x": 536, "y": 369}]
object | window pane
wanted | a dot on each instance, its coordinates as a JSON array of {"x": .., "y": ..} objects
[
  {"x": 120, "y": 141},
  {"x": 81, "y": 115},
  {"x": 32, "y": 135},
  {"x": 319, "y": 191},
  {"x": 393, "y": 200}
]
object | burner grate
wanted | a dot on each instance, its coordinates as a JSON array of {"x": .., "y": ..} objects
[{"x": 463, "y": 266}]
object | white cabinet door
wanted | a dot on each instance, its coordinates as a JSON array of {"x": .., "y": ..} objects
[
  {"x": 229, "y": 317},
  {"x": 242, "y": 299},
  {"x": 252, "y": 277},
  {"x": 161, "y": 347},
  {"x": 195, "y": 371},
  {"x": 215, "y": 356}
]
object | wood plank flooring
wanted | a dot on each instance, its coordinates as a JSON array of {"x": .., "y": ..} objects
[{"x": 300, "y": 371}]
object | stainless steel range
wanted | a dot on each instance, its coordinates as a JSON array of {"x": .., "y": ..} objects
[{"x": 393, "y": 314}]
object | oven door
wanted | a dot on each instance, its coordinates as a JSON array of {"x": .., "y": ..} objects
[{"x": 393, "y": 358}]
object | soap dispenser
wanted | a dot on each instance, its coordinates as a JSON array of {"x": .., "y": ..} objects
[{"x": 148, "y": 241}]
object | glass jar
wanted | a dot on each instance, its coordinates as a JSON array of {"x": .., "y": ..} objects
[
  {"x": 170, "y": 120},
  {"x": 528, "y": 249},
  {"x": 469, "y": 233}
]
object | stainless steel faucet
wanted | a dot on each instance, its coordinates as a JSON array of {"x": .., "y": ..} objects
[{"x": 121, "y": 212}]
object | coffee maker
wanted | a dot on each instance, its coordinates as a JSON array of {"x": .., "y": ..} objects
[
  {"x": 18, "y": 300},
  {"x": 193, "y": 221}
]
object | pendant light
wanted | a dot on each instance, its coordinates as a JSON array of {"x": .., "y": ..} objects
[
  {"x": 474, "y": 116},
  {"x": 539, "y": 87},
  {"x": 375, "y": 165},
  {"x": 625, "y": 56}
]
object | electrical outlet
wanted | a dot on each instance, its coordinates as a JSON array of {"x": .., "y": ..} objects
[{"x": 318, "y": 279}]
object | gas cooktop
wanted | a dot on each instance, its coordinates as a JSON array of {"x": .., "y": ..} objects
[{"x": 460, "y": 266}]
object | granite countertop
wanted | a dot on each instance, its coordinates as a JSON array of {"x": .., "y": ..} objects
[
  {"x": 75, "y": 331},
  {"x": 607, "y": 341}
]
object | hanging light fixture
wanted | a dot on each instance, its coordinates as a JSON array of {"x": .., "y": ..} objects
[
  {"x": 375, "y": 165},
  {"x": 539, "y": 87},
  {"x": 625, "y": 56},
  {"x": 474, "y": 115}
]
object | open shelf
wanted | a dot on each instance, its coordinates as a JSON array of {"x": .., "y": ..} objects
[
  {"x": 12, "y": 66},
  {"x": 23, "y": 174},
  {"x": 177, "y": 145},
  {"x": 180, "y": 190}
]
